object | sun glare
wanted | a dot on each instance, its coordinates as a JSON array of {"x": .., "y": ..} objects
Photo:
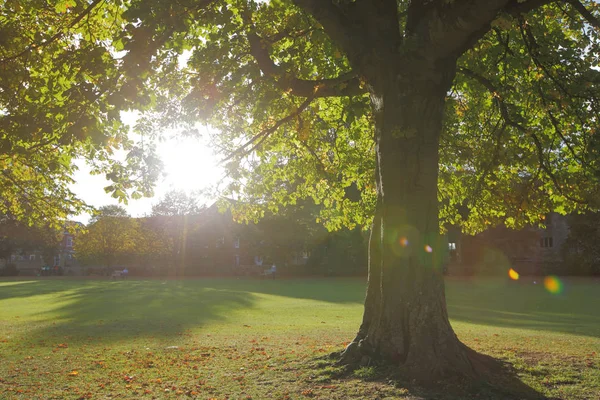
[
  {"x": 189, "y": 164},
  {"x": 553, "y": 284},
  {"x": 512, "y": 274}
]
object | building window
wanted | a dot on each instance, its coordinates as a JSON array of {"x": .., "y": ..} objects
[
  {"x": 236, "y": 259},
  {"x": 20, "y": 257},
  {"x": 221, "y": 241},
  {"x": 305, "y": 254},
  {"x": 70, "y": 256},
  {"x": 452, "y": 246},
  {"x": 69, "y": 241},
  {"x": 32, "y": 257},
  {"x": 13, "y": 257},
  {"x": 57, "y": 260},
  {"x": 546, "y": 242},
  {"x": 236, "y": 243}
]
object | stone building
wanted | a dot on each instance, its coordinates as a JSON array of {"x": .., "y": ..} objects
[{"x": 530, "y": 251}]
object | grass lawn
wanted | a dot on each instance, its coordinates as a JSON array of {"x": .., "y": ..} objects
[{"x": 256, "y": 339}]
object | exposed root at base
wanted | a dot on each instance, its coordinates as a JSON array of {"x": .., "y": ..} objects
[{"x": 488, "y": 373}]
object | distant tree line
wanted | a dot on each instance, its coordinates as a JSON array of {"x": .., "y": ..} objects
[{"x": 180, "y": 237}]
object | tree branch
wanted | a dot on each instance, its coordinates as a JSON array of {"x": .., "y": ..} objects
[
  {"x": 517, "y": 8},
  {"x": 585, "y": 13},
  {"x": 287, "y": 34},
  {"x": 557, "y": 129},
  {"x": 448, "y": 29},
  {"x": 451, "y": 28},
  {"x": 489, "y": 85},
  {"x": 262, "y": 136},
  {"x": 56, "y": 36},
  {"x": 346, "y": 84},
  {"x": 338, "y": 27}
]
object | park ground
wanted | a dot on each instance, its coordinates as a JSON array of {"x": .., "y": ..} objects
[{"x": 259, "y": 339}]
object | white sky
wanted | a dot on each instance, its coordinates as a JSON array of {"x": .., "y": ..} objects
[{"x": 189, "y": 165}]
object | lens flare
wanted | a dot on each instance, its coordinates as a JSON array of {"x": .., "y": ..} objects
[
  {"x": 553, "y": 284},
  {"x": 428, "y": 248},
  {"x": 512, "y": 274},
  {"x": 403, "y": 242}
]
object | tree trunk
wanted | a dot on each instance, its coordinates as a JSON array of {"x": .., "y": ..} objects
[{"x": 405, "y": 320}]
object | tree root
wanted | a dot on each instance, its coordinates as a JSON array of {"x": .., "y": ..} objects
[{"x": 487, "y": 372}]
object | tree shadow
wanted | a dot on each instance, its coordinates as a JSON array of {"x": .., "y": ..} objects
[
  {"x": 118, "y": 309},
  {"x": 123, "y": 310},
  {"x": 498, "y": 380},
  {"x": 331, "y": 290},
  {"x": 526, "y": 305},
  {"x": 11, "y": 289}
]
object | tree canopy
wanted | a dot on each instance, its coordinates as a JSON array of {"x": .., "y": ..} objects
[
  {"x": 278, "y": 83},
  {"x": 59, "y": 75}
]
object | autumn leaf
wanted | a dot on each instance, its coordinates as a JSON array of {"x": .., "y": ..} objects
[{"x": 73, "y": 373}]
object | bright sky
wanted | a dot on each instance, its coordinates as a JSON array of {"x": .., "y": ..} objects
[{"x": 189, "y": 165}]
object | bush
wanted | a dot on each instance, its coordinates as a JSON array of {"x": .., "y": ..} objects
[{"x": 9, "y": 270}]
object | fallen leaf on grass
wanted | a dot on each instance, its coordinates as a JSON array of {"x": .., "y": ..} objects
[{"x": 73, "y": 373}]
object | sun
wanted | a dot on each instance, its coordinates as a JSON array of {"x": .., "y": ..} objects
[{"x": 189, "y": 164}]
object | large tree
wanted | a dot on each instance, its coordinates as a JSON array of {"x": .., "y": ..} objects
[{"x": 460, "y": 111}]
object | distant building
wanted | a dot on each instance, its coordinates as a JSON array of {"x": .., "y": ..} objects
[
  {"x": 30, "y": 261},
  {"x": 531, "y": 251}
]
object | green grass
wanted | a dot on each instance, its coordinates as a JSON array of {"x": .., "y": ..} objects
[{"x": 237, "y": 339}]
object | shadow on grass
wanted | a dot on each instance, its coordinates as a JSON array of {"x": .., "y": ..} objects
[
  {"x": 527, "y": 305},
  {"x": 126, "y": 309},
  {"x": 485, "y": 301},
  {"x": 331, "y": 290},
  {"x": 11, "y": 289},
  {"x": 168, "y": 307},
  {"x": 334, "y": 290},
  {"x": 503, "y": 384}
]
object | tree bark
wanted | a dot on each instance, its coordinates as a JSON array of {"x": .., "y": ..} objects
[{"x": 405, "y": 320}]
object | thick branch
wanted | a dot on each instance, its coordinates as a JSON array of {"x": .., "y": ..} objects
[
  {"x": 517, "y": 8},
  {"x": 585, "y": 13},
  {"x": 450, "y": 29},
  {"x": 334, "y": 20},
  {"x": 345, "y": 85},
  {"x": 288, "y": 34},
  {"x": 446, "y": 30}
]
